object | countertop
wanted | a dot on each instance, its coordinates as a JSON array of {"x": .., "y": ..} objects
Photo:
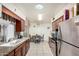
[
  {"x": 7, "y": 49},
  {"x": 53, "y": 41}
]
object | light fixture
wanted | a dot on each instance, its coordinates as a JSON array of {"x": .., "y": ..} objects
[
  {"x": 39, "y": 7},
  {"x": 39, "y": 16}
]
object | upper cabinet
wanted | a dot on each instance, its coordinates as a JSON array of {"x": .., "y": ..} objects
[
  {"x": 55, "y": 24},
  {"x": 7, "y": 14},
  {"x": 20, "y": 25},
  {"x": 77, "y": 9}
]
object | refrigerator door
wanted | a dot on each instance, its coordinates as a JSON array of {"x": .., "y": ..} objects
[{"x": 69, "y": 33}]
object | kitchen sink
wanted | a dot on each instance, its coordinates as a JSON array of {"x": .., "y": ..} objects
[{"x": 12, "y": 43}]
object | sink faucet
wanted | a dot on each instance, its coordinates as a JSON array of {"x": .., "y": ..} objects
[{"x": 10, "y": 39}]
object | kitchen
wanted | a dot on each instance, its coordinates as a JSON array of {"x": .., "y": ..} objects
[{"x": 29, "y": 29}]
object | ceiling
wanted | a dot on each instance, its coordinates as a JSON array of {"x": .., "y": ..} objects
[{"x": 49, "y": 10}]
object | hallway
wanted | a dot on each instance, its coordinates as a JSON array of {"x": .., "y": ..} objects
[{"x": 39, "y": 49}]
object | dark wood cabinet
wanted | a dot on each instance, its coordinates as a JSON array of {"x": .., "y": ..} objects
[
  {"x": 20, "y": 25},
  {"x": 77, "y": 9},
  {"x": 24, "y": 49},
  {"x": 27, "y": 45},
  {"x": 21, "y": 50},
  {"x": 18, "y": 51}
]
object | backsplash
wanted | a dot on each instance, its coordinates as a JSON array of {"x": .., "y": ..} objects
[{"x": 6, "y": 32}]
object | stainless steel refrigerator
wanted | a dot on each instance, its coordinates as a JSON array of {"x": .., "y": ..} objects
[{"x": 69, "y": 45}]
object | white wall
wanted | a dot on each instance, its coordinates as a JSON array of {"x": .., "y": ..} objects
[
  {"x": 62, "y": 11},
  {"x": 41, "y": 30}
]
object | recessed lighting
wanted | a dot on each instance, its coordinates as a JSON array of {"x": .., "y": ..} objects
[
  {"x": 39, "y": 6},
  {"x": 39, "y": 16}
]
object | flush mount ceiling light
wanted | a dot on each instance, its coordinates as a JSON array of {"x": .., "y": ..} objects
[
  {"x": 39, "y": 16},
  {"x": 39, "y": 6}
]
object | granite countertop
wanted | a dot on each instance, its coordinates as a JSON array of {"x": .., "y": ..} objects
[{"x": 7, "y": 49}]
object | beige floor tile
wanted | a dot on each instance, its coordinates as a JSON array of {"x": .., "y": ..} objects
[{"x": 39, "y": 49}]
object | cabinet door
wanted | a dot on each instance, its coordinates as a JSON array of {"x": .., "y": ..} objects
[
  {"x": 77, "y": 9},
  {"x": 23, "y": 49},
  {"x": 11, "y": 53},
  {"x": 27, "y": 45},
  {"x": 18, "y": 51},
  {"x": 18, "y": 26}
]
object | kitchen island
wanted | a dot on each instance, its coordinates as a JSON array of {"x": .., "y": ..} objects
[{"x": 19, "y": 48}]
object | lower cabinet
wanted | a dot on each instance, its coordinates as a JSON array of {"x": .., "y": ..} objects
[
  {"x": 24, "y": 49},
  {"x": 27, "y": 45},
  {"x": 11, "y": 53},
  {"x": 20, "y": 50}
]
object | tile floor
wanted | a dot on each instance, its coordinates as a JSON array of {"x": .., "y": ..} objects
[{"x": 39, "y": 49}]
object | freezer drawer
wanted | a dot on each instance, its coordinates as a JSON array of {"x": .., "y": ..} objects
[{"x": 68, "y": 50}]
